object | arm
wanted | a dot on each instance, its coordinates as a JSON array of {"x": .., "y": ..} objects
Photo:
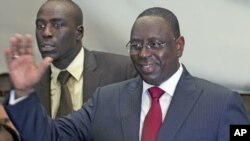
[{"x": 33, "y": 124}]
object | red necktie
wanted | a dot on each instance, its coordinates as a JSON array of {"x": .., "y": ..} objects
[{"x": 153, "y": 119}]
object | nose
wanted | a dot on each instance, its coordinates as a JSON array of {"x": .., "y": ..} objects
[
  {"x": 145, "y": 52},
  {"x": 47, "y": 32}
]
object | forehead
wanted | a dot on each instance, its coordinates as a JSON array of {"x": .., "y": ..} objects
[
  {"x": 151, "y": 27},
  {"x": 55, "y": 10}
]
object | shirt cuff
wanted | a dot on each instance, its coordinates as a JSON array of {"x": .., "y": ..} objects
[{"x": 13, "y": 100}]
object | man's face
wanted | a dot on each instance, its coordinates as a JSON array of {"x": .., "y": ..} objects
[
  {"x": 56, "y": 31},
  {"x": 155, "y": 65}
]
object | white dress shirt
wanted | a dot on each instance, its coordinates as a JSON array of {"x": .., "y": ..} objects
[{"x": 169, "y": 88}]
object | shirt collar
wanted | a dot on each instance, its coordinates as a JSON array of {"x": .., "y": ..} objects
[{"x": 169, "y": 85}]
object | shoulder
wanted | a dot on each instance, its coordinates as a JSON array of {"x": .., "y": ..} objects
[
  {"x": 206, "y": 86},
  {"x": 218, "y": 96},
  {"x": 225, "y": 101},
  {"x": 212, "y": 87},
  {"x": 127, "y": 85},
  {"x": 214, "y": 96}
]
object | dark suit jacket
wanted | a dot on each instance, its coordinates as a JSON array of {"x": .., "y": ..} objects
[
  {"x": 199, "y": 111},
  {"x": 99, "y": 69}
]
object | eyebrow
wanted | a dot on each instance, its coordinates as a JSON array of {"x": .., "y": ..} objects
[
  {"x": 51, "y": 20},
  {"x": 149, "y": 39}
]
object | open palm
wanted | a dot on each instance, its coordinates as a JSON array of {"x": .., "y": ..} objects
[{"x": 21, "y": 63}]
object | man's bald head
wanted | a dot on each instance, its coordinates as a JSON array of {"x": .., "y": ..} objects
[{"x": 68, "y": 5}]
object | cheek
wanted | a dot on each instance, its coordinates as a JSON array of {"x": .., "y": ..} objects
[
  {"x": 163, "y": 57},
  {"x": 38, "y": 39},
  {"x": 61, "y": 38},
  {"x": 133, "y": 58},
  {"x": 66, "y": 39},
  {"x": 169, "y": 65},
  {"x": 166, "y": 60}
]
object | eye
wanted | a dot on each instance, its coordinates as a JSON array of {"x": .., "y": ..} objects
[
  {"x": 40, "y": 26},
  {"x": 136, "y": 45},
  {"x": 154, "y": 44},
  {"x": 58, "y": 25}
]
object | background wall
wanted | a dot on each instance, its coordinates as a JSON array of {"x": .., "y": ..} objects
[{"x": 216, "y": 32}]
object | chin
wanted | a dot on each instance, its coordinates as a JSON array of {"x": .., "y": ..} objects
[
  {"x": 151, "y": 80},
  {"x": 54, "y": 56},
  {"x": 153, "y": 83}
]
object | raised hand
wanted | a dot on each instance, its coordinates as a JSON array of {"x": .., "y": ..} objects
[{"x": 21, "y": 63}]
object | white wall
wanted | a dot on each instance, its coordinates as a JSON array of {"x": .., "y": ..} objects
[{"x": 216, "y": 32}]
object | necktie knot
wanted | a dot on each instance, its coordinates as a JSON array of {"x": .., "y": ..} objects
[
  {"x": 63, "y": 77},
  {"x": 155, "y": 92}
]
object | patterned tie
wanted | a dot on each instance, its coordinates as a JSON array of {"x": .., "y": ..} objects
[
  {"x": 153, "y": 119},
  {"x": 65, "y": 106}
]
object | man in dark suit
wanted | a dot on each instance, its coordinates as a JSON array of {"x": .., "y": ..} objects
[
  {"x": 183, "y": 107},
  {"x": 59, "y": 31}
]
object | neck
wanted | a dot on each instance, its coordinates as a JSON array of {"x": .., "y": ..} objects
[{"x": 64, "y": 61}]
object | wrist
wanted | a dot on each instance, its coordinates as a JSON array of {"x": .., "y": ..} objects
[{"x": 21, "y": 93}]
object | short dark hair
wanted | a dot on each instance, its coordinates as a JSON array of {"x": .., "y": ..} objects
[{"x": 166, "y": 14}]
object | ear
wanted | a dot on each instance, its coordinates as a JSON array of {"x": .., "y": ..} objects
[
  {"x": 79, "y": 32},
  {"x": 180, "y": 43}
]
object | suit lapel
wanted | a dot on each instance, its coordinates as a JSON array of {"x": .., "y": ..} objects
[
  {"x": 130, "y": 107},
  {"x": 183, "y": 101},
  {"x": 43, "y": 90},
  {"x": 90, "y": 74}
]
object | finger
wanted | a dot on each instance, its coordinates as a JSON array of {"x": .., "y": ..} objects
[
  {"x": 13, "y": 48},
  {"x": 8, "y": 55},
  {"x": 13, "y": 45},
  {"x": 28, "y": 47},
  {"x": 44, "y": 65},
  {"x": 19, "y": 44}
]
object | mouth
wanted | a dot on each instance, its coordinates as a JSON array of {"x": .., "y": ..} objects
[
  {"x": 47, "y": 48},
  {"x": 147, "y": 68}
]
